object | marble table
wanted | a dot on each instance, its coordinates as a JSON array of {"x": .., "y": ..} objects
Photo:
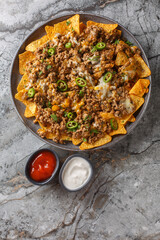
[{"x": 123, "y": 200}]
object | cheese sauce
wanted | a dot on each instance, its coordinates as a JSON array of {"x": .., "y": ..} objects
[{"x": 76, "y": 173}]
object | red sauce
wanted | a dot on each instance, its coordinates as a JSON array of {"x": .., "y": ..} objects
[{"x": 42, "y": 166}]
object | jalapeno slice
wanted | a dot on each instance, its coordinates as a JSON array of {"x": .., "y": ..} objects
[
  {"x": 81, "y": 82},
  {"x": 70, "y": 115},
  {"x": 100, "y": 45},
  {"x": 72, "y": 125},
  {"x": 107, "y": 77},
  {"x": 114, "y": 124},
  {"x": 68, "y": 45},
  {"x": 31, "y": 92},
  {"x": 62, "y": 85},
  {"x": 51, "y": 51}
]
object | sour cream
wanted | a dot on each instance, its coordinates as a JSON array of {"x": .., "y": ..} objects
[{"x": 76, "y": 173}]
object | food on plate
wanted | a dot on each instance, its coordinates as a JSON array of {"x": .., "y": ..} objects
[{"x": 82, "y": 83}]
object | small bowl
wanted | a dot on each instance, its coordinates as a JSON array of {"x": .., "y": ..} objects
[
  {"x": 30, "y": 160},
  {"x": 63, "y": 166}
]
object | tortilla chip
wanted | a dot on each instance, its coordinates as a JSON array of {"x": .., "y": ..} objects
[
  {"x": 36, "y": 44},
  {"x": 107, "y": 115},
  {"x": 76, "y": 141},
  {"x": 28, "y": 113},
  {"x": 69, "y": 25},
  {"x": 100, "y": 142},
  {"x": 121, "y": 59},
  {"x": 121, "y": 129},
  {"x": 50, "y": 32},
  {"x": 22, "y": 83},
  {"x": 23, "y": 58},
  {"x": 66, "y": 138},
  {"x": 132, "y": 119},
  {"x": 82, "y": 27},
  {"x": 31, "y": 106},
  {"x": 140, "y": 88},
  {"x": 145, "y": 71},
  {"x": 21, "y": 95},
  {"x": 138, "y": 101},
  {"x": 106, "y": 27}
]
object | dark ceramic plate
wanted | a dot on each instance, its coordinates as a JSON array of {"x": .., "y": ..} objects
[{"x": 15, "y": 78}]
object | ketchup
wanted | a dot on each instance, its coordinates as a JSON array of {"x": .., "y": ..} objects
[{"x": 42, "y": 166}]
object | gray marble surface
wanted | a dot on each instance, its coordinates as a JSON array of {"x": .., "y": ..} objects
[{"x": 123, "y": 200}]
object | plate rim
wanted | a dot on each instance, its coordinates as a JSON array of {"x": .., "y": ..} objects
[{"x": 64, "y": 146}]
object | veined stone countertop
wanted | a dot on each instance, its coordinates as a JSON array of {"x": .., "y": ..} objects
[{"x": 123, "y": 200}]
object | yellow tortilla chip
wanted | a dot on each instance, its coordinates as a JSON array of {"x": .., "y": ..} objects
[
  {"x": 28, "y": 113},
  {"x": 138, "y": 101},
  {"x": 100, "y": 142},
  {"x": 22, "y": 83},
  {"x": 36, "y": 44},
  {"x": 50, "y": 32},
  {"x": 69, "y": 25},
  {"x": 66, "y": 138},
  {"x": 31, "y": 106},
  {"x": 82, "y": 27},
  {"x": 121, "y": 130},
  {"x": 121, "y": 59},
  {"x": 23, "y": 58},
  {"x": 145, "y": 72},
  {"x": 106, "y": 27},
  {"x": 140, "y": 88},
  {"x": 76, "y": 141},
  {"x": 21, "y": 95},
  {"x": 107, "y": 115},
  {"x": 132, "y": 119}
]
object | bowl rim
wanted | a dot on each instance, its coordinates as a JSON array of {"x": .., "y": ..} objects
[
  {"x": 68, "y": 159},
  {"x": 29, "y": 161},
  {"x": 132, "y": 125}
]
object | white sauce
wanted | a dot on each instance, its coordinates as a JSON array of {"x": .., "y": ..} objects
[{"x": 76, "y": 173}]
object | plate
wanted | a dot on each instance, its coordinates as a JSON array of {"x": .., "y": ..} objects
[{"x": 15, "y": 78}]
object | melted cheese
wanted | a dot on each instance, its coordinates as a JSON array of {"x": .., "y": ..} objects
[
  {"x": 128, "y": 105},
  {"x": 77, "y": 106},
  {"x": 102, "y": 88}
]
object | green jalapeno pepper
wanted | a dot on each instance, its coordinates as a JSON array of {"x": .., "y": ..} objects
[
  {"x": 68, "y": 45},
  {"x": 31, "y": 92},
  {"x": 114, "y": 124},
  {"x": 100, "y": 45},
  {"x": 107, "y": 77},
  {"x": 51, "y": 51},
  {"x": 62, "y": 85},
  {"x": 72, "y": 125},
  {"x": 81, "y": 82}
]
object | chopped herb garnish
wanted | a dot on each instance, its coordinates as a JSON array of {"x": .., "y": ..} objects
[
  {"x": 96, "y": 58},
  {"x": 68, "y": 22},
  {"x": 129, "y": 43},
  {"x": 40, "y": 73},
  {"x": 81, "y": 93},
  {"x": 44, "y": 50},
  {"x": 49, "y": 66},
  {"x": 65, "y": 114},
  {"x": 30, "y": 69},
  {"x": 84, "y": 140},
  {"x": 66, "y": 94},
  {"x": 73, "y": 29},
  {"x": 49, "y": 105},
  {"x": 116, "y": 42},
  {"x": 94, "y": 131},
  {"x": 54, "y": 117},
  {"x": 94, "y": 49},
  {"x": 42, "y": 60}
]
